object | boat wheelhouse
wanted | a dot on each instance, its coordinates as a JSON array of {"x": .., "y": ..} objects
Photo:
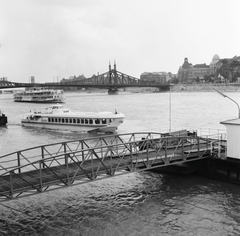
[
  {"x": 59, "y": 118},
  {"x": 40, "y": 96}
]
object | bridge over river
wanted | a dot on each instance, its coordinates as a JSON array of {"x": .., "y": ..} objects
[
  {"x": 48, "y": 167},
  {"x": 111, "y": 80}
]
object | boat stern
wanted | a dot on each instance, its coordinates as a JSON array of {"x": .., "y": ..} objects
[{"x": 113, "y": 125}]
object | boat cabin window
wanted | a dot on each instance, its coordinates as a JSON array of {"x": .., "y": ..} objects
[{"x": 79, "y": 121}]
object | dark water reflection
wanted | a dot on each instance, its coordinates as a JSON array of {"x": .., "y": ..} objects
[{"x": 135, "y": 204}]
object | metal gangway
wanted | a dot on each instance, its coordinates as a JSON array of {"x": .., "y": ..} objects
[{"x": 52, "y": 166}]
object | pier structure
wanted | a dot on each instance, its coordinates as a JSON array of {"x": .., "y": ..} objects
[{"x": 48, "y": 167}]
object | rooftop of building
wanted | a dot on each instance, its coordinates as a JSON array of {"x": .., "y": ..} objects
[{"x": 201, "y": 66}]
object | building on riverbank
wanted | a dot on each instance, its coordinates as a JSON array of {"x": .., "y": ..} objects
[
  {"x": 225, "y": 70},
  {"x": 189, "y": 73},
  {"x": 160, "y": 77}
]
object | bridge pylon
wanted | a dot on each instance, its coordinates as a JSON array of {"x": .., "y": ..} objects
[{"x": 113, "y": 79}]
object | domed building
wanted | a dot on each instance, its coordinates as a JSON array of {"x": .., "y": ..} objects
[
  {"x": 213, "y": 64},
  {"x": 189, "y": 73}
]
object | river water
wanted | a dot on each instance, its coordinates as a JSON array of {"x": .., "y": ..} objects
[{"x": 141, "y": 204}]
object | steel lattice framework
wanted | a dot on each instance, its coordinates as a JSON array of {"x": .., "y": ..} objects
[
  {"x": 8, "y": 84},
  {"x": 52, "y": 166},
  {"x": 112, "y": 79}
]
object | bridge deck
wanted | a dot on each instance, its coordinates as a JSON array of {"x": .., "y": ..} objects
[
  {"x": 85, "y": 171},
  {"x": 48, "y": 167}
]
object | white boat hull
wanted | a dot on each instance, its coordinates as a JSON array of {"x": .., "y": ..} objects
[
  {"x": 57, "y": 117},
  {"x": 74, "y": 127}
]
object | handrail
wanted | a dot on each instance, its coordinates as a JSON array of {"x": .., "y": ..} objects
[
  {"x": 78, "y": 151},
  {"x": 77, "y": 140},
  {"x": 19, "y": 158},
  {"x": 163, "y": 140},
  {"x": 103, "y": 159}
]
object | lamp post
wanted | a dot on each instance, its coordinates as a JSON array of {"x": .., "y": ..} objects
[
  {"x": 170, "y": 110},
  {"x": 225, "y": 96}
]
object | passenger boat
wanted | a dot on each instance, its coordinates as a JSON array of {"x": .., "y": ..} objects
[
  {"x": 3, "y": 119},
  {"x": 59, "y": 118},
  {"x": 40, "y": 96}
]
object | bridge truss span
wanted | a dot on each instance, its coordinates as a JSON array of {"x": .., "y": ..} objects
[
  {"x": 112, "y": 80},
  {"x": 114, "y": 77}
]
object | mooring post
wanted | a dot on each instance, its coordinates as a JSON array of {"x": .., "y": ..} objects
[
  {"x": 40, "y": 174},
  {"x": 11, "y": 184},
  {"x": 166, "y": 143},
  {"x": 147, "y": 144},
  {"x": 92, "y": 164},
  {"x": 42, "y": 152},
  {"x": 19, "y": 162},
  {"x": 65, "y": 150},
  {"x": 66, "y": 163},
  {"x": 82, "y": 151},
  {"x": 131, "y": 156},
  {"x": 198, "y": 147},
  {"x": 183, "y": 151}
]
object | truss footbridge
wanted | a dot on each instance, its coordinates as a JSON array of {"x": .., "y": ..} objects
[{"x": 48, "y": 167}]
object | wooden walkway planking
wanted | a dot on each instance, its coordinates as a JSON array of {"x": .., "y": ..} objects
[{"x": 52, "y": 175}]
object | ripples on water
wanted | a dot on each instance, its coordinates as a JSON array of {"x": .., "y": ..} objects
[
  {"x": 142, "y": 204},
  {"x": 135, "y": 204}
]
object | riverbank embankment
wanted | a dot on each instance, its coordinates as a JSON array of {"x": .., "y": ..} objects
[{"x": 205, "y": 87}]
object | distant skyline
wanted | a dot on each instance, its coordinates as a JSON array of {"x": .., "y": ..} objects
[{"x": 51, "y": 39}]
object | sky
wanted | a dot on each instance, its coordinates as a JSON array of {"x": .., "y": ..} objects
[{"x": 55, "y": 39}]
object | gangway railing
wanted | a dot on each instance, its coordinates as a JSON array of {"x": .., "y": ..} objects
[
  {"x": 48, "y": 167},
  {"x": 25, "y": 156},
  {"x": 218, "y": 141}
]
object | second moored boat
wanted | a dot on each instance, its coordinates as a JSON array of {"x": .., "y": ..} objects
[{"x": 39, "y": 95}]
